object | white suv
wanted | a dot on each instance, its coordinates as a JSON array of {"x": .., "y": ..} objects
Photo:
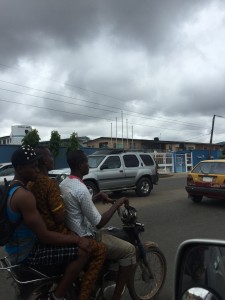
[{"x": 116, "y": 171}]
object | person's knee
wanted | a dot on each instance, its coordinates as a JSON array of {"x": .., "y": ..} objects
[
  {"x": 129, "y": 250},
  {"x": 129, "y": 256},
  {"x": 132, "y": 250}
]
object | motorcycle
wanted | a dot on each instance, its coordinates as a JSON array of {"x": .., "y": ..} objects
[{"x": 145, "y": 281}]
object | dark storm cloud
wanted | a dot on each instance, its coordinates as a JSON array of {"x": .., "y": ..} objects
[
  {"x": 26, "y": 25},
  {"x": 153, "y": 58},
  {"x": 147, "y": 25}
]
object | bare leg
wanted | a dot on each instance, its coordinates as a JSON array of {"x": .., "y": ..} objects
[
  {"x": 122, "y": 278},
  {"x": 71, "y": 273}
]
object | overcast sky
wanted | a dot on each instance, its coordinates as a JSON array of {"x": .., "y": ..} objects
[{"x": 133, "y": 68}]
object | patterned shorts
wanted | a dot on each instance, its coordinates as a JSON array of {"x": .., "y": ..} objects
[{"x": 52, "y": 255}]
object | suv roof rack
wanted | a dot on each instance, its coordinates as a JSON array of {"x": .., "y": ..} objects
[{"x": 108, "y": 151}]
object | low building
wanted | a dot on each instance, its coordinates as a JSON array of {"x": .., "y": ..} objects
[
  {"x": 18, "y": 132},
  {"x": 150, "y": 145}
]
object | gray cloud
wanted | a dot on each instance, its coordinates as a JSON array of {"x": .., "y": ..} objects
[{"x": 158, "y": 62}]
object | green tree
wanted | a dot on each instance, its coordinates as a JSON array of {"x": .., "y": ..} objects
[
  {"x": 73, "y": 142},
  {"x": 54, "y": 143},
  {"x": 32, "y": 138}
]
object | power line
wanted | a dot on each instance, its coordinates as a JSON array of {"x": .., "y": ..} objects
[
  {"x": 60, "y": 101},
  {"x": 61, "y": 95},
  {"x": 53, "y": 109},
  {"x": 67, "y": 112},
  {"x": 69, "y": 85},
  {"x": 98, "y": 93},
  {"x": 95, "y": 92}
]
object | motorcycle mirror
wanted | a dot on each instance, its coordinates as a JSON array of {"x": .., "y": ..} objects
[{"x": 200, "y": 270}]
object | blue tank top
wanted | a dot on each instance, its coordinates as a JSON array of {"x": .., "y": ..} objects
[{"x": 23, "y": 238}]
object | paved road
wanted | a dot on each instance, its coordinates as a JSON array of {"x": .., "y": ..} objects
[{"x": 170, "y": 218}]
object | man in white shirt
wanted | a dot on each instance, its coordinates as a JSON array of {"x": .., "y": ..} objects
[{"x": 82, "y": 217}]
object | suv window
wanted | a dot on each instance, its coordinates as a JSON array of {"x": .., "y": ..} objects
[
  {"x": 113, "y": 162},
  {"x": 94, "y": 161},
  {"x": 147, "y": 159},
  {"x": 130, "y": 161}
]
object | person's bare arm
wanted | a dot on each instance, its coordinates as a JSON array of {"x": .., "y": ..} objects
[
  {"x": 25, "y": 203},
  {"x": 106, "y": 216},
  {"x": 103, "y": 197}
]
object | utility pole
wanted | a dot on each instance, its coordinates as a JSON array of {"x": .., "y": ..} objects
[
  {"x": 122, "y": 127},
  {"x": 127, "y": 134},
  {"x": 116, "y": 132},
  {"x": 211, "y": 136},
  {"x": 111, "y": 137}
]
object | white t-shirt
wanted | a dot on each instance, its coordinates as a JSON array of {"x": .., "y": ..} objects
[{"x": 81, "y": 215}]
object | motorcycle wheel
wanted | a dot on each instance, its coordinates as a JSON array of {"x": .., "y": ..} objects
[
  {"x": 140, "y": 285},
  {"x": 41, "y": 290}
]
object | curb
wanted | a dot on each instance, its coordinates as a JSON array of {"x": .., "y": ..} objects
[{"x": 165, "y": 175}]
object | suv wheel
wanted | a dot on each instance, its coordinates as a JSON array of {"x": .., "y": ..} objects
[
  {"x": 196, "y": 198},
  {"x": 92, "y": 187},
  {"x": 144, "y": 187}
]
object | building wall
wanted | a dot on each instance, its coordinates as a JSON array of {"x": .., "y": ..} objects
[
  {"x": 18, "y": 132},
  {"x": 6, "y": 152},
  {"x": 5, "y": 140},
  {"x": 115, "y": 143},
  {"x": 150, "y": 145}
]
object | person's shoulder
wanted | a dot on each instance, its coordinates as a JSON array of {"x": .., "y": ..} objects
[
  {"x": 22, "y": 196},
  {"x": 41, "y": 183},
  {"x": 78, "y": 184},
  {"x": 23, "y": 190},
  {"x": 73, "y": 184},
  {"x": 70, "y": 182}
]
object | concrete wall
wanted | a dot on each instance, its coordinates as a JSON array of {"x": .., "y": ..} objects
[
  {"x": 6, "y": 152},
  {"x": 60, "y": 162}
]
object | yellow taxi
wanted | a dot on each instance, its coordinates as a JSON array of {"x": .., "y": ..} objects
[{"x": 207, "y": 179}]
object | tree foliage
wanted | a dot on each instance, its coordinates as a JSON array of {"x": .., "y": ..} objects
[
  {"x": 54, "y": 143},
  {"x": 32, "y": 138},
  {"x": 73, "y": 142}
]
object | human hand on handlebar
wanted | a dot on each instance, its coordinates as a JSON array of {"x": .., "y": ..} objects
[{"x": 121, "y": 201}]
